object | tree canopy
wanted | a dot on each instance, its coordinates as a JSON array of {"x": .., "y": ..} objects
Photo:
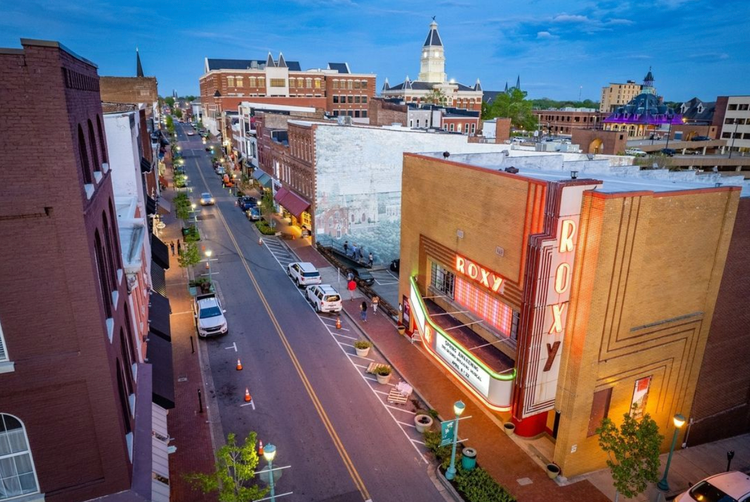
[
  {"x": 549, "y": 104},
  {"x": 512, "y": 104}
]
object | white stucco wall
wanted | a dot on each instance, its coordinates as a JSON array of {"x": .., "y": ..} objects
[{"x": 124, "y": 158}]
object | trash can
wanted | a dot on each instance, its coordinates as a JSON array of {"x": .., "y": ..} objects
[{"x": 469, "y": 458}]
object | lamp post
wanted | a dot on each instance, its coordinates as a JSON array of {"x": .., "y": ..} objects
[
  {"x": 195, "y": 214},
  {"x": 269, "y": 452},
  {"x": 208, "y": 258},
  {"x": 679, "y": 421},
  {"x": 458, "y": 409}
]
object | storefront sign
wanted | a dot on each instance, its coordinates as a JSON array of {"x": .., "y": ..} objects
[
  {"x": 478, "y": 273},
  {"x": 451, "y": 354}
]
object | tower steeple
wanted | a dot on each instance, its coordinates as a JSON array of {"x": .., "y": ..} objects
[
  {"x": 432, "y": 68},
  {"x": 138, "y": 66},
  {"x": 648, "y": 83}
]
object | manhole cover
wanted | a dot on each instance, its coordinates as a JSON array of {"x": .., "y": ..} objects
[{"x": 207, "y": 217}]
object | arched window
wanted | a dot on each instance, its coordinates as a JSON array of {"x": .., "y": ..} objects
[
  {"x": 101, "y": 269},
  {"x": 109, "y": 252},
  {"x": 101, "y": 138},
  {"x": 85, "y": 168},
  {"x": 123, "y": 395},
  {"x": 92, "y": 144},
  {"x": 17, "y": 474},
  {"x": 115, "y": 240}
]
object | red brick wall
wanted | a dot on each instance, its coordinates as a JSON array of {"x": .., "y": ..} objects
[
  {"x": 502, "y": 130},
  {"x": 722, "y": 406},
  {"x": 64, "y": 385},
  {"x": 128, "y": 89},
  {"x": 612, "y": 142},
  {"x": 384, "y": 113}
]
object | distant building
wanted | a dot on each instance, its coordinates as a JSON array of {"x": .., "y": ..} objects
[
  {"x": 732, "y": 116},
  {"x": 564, "y": 120},
  {"x": 424, "y": 116},
  {"x": 643, "y": 114},
  {"x": 615, "y": 95},
  {"x": 226, "y": 83},
  {"x": 432, "y": 77}
]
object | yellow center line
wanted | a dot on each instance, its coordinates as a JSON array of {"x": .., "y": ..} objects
[{"x": 298, "y": 367}]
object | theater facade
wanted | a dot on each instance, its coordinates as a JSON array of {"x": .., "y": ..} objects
[{"x": 561, "y": 296}]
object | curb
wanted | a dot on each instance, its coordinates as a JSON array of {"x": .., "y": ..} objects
[{"x": 443, "y": 485}]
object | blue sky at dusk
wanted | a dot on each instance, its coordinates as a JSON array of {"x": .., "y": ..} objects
[{"x": 696, "y": 47}]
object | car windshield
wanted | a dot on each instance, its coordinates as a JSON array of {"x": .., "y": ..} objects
[
  {"x": 332, "y": 298},
  {"x": 310, "y": 274},
  {"x": 706, "y": 492},
  {"x": 206, "y": 195},
  {"x": 210, "y": 312}
]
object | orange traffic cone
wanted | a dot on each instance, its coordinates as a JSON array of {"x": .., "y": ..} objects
[
  {"x": 239, "y": 365},
  {"x": 338, "y": 322},
  {"x": 247, "y": 395},
  {"x": 260, "y": 448}
]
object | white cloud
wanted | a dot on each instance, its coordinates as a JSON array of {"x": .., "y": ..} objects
[
  {"x": 545, "y": 35},
  {"x": 570, "y": 18}
]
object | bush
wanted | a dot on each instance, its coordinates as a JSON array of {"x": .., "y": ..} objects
[
  {"x": 478, "y": 486},
  {"x": 264, "y": 228},
  {"x": 383, "y": 370},
  {"x": 191, "y": 234}
]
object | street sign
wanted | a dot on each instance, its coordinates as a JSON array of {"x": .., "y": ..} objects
[{"x": 446, "y": 432}]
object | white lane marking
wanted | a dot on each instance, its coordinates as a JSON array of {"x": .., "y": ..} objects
[
  {"x": 251, "y": 403},
  {"x": 234, "y": 346},
  {"x": 407, "y": 425},
  {"x": 360, "y": 357},
  {"x": 346, "y": 344},
  {"x": 400, "y": 409},
  {"x": 345, "y": 336},
  {"x": 418, "y": 441}
]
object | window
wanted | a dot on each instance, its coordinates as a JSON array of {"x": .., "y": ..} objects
[
  {"x": 101, "y": 138},
  {"x": 350, "y": 84},
  {"x": 732, "y": 107},
  {"x": 17, "y": 474},
  {"x": 357, "y": 84},
  {"x": 364, "y": 99},
  {"x": 252, "y": 82},
  {"x": 85, "y": 169},
  {"x": 350, "y": 99},
  {"x": 300, "y": 82},
  {"x": 729, "y": 120},
  {"x": 442, "y": 279},
  {"x": 230, "y": 81},
  {"x": 356, "y": 113},
  {"x": 123, "y": 394},
  {"x": 364, "y": 114},
  {"x": 317, "y": 83},
  {"x": 3, "y": 353},
  {"x": 261, "y": 81},
  {"x": 308, "y": 83},
  {"x": 481, "y": 303},
  {"x": 109, "y": 252},
  {"x": 335, "y": 99},
  {"x": 278, "y": 82},
  {"x": 335, "y": 113},
  {"x": 451, "y": 128},
  {"x": 239, "y": 81},
  {"x": 364, "y": 84},
  {"x": 599, "y": 409},
  {"x": 335, "y": 84},
  {"x": 744, "y": 107},
  {"x": 356, "y": 99},
  {"x": 102, "y": 270}
]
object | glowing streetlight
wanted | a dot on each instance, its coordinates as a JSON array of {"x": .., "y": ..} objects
[
  {"x": 458, "y": 409},
  {"x": 269, "y": 453},
  {"x": 195, "y": 214},
  {"x": 679, "y": 421},
  {"x": 208, "y": 261}
]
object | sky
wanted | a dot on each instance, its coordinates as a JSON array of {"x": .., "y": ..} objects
[{"x": 561, "y": 50}]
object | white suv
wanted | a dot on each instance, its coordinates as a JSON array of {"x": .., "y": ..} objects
[
  {"x": 303, "y": 273},
  {"x": 324, "y": 298},
  {"x": 209, "y": 315}
]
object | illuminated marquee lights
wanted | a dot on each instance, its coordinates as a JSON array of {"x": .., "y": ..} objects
[
  {"x": 478, "y": 273},
  {"x": 562, "y": 285}
]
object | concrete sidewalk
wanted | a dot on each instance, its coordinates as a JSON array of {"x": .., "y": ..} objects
[{"x": 516, "y": 463}]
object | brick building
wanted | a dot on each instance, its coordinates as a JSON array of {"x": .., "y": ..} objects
[
  {"x": 615, "y": 95},
  {"x": 424, "y": 116},
  {"x": 433, "y": 79},
  {"x": 226, "y": 83},
  {"x": 565, "y": 120},
  {"x": 732, "y": 117},
  {"x": 75, "y": 400},
  {"x": 560, "y": 296}
]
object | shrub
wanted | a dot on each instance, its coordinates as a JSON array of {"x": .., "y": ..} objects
[
  {"x": 189, "y": 255},
  {"x": 383, "y": 370},
  {"x": 264, "y": 228},
  {"x": 192, "y": 234},
  {"x": 478, "y": 486},
  {"x": 362, "y": 344}
]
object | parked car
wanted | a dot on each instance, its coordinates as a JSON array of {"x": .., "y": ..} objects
[
  {"x": 209, "y": 316},
  {"x": 253, "y": 214},
  {"x": 635, "y": 151},
  {"x": 191, "y": 133},
  {"x": 247, "y": 202},
  {"x": 207, "y": 199},
  {"x": 395, "y": 265},
  {"x": 324, "y": 298},
  {"x": 701, "y": 138},
  {"x": 303, "y": 273},
  {"x": 730, "y": 486},
  {"x": 358, "y": 270},
  {"x": 669, "y": 152},
  {"x": 220, "y": 171}
]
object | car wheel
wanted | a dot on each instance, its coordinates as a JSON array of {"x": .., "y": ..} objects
[
  {"x": 296, "y": 282},
  {"x": 317, "y": 309}
]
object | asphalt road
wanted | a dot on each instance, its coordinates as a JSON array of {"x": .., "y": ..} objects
[{"x": 329, "y": 422}]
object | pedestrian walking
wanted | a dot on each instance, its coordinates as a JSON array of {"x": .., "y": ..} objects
[
  {"x": 171, "y": 245},
  {"x": 351, "y": 286},
  {"x": 370, "y": 260},
  {"x": 179, "y": 251},
  {"x": 346, "y": 248},
  {"x": 354, "y": 250},
  {"x": 375, "y": 303},
  {"x": 363, "y": 311},
  {"x": 361, "y": 254}
]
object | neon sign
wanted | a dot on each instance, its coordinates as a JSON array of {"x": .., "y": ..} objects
[{"x": 478, "y": 273}]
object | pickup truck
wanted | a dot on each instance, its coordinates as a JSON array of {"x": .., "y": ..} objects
[{"x": 209, "y": 316}]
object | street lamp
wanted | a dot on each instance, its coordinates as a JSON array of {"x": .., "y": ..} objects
[
  {"x": 679, "y": 421},
  {"x": 208, "y": 256},
  {"x": 269, "y": 452},
  {"x": 458, "y": 409},
  {"x": 195, "y": 215}
]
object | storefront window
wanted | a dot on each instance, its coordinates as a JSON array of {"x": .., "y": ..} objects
[{"x": 442, "y": 279}]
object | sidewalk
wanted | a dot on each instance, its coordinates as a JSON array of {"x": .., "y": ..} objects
[
  {"x": 517, "y": 463},
  {"x": 188, "y": 428}
]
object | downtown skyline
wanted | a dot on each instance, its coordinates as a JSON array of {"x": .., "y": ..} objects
[{"x": 559, "y": 51}]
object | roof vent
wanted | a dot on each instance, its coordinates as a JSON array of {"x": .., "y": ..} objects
[
  {"x": 446, "y": 155},
  {"x": 511, "y": 170},
  {"x": 573, "y": 175},
  {"x": 717, "y": 185}
]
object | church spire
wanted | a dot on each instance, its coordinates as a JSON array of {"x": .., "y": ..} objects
[
  {"x": 138, "y": 66},
  {"x": 518, "y": 82},
  {"x": 433, "y": 38}
]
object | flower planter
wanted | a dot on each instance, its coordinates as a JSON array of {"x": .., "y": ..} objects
[
  {"x": 401, "y": 329},
  {"x": 383, "y": 379},
  {"x": 362, "y": 352},
  {"x": 509, "y": 428},
  {"x": 553, "y": 470},
  {"x": 422, "y": 422}
]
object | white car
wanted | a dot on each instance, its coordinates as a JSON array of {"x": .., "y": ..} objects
[
  {"x": 725, "y": 487},
  {"x": 636, "y": 151},
  {"x": 303, "y": 273},
  {"x": 324, "y": 298},
  {"x": 191, "y": 133},
  {"x": 207, "y": 199},
  {"x": 209, "y": 316}
]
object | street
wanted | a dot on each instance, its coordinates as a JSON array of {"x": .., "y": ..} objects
[{"x": 334, "y": 428}]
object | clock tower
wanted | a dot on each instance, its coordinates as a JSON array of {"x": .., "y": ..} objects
[{"x": 432, "y": 67}]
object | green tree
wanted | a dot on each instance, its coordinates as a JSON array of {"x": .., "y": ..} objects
[
  {"x": 436, "y": 97},
  {"x": 235, "y": 469},
  {"x": 514, "y": 105},
  {"x": 267, "y": 205},
  {"x": 190, "y": 98},
  {"x": 633, "y": 453},
  {"x": 169, "y": 101},
  {"x": 182, "y": 206},
  {"x": 177, "y": 113},
  {"x": 189, "y": 255}
]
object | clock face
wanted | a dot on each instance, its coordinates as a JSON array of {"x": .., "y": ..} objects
[
  {"x": 436, "y": 54},
  {"x": 424, "y": 54}
]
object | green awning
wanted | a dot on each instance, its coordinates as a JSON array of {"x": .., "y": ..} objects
[{"x": 263, "y": 178}]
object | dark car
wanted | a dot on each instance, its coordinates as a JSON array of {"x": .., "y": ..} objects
[
  {"x": 358, "y": 270},
  {"x": 395, "y": 265},
  {"x": 669, "y": 152},
  {"x": 247, "y": 202},
  {"x": 253, "y": 214},
  {"x": 701, "y": 138}
]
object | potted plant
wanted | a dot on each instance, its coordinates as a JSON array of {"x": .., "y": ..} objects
[
  {"x": 401, "y": 328},
  {"x": 553, "y": 470},
  {"x": 422, "y": 422},
  {"x": 509, "y": 428},
  {"x": 383, "y": 373},
  {"x": 362, "y": 347}
]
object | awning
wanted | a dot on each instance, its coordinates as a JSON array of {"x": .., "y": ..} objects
[
  {"x": 159, "y": 454},
  {"x": 150, "y": 206},
  {"x": 163, "y": 206},
  {"x": 159, "y": 355},
  {"x": 145, "y": 165},
  {"x": 158, "y": 315},
  {"x": 263, "y": 178},
  {"x": 291, "y": 202},
  {"x": 158, "y": 281},
  {"x": 159, "y": 252}
]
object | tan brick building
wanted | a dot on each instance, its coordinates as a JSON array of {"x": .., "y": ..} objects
[
  {"x": 615, "y": 95},
  {"x": 558, "y": 298},
  {"x": 564, "y": 121}
]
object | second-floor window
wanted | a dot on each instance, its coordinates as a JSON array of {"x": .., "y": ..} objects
[{"x": 278, "y": 82}]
